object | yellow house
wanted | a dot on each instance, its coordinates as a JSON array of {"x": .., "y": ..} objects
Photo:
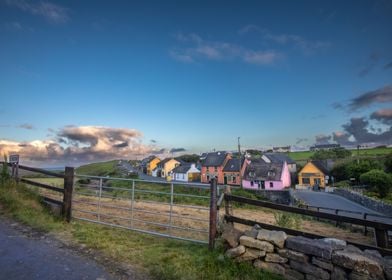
[
  {"x": 166, "y": 166},
  {"x": 313, "y": 173},
  {"x": 152, "y": 164}
]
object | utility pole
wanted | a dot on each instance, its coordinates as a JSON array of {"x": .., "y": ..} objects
[{"x": 239, "y": 159}]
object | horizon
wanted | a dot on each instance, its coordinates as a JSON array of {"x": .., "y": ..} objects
[{"x": 84, "y": 82}]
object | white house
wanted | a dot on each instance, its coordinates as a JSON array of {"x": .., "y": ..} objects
[{"x": 186, "y": 173}]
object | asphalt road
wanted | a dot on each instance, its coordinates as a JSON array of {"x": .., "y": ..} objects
[
  {"x": 24, "y": 257},
  {"x": 328, "y": 200}
]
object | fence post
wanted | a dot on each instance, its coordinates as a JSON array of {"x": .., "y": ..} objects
[
  {"x": 228, "y": 208},
  {"x": 68, "y": 188},
  {"x": 99, "y": 199},
  {"x": 381, "y": 238},
  {"x": 213, "y": 215},
  {"x": 171, "y": 207},
  {"x": 366, "y": 229}
]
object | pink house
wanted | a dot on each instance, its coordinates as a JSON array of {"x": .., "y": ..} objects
[{"x": 269, "y": 176}]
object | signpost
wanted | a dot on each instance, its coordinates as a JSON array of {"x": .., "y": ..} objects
[{"x": 14, "y": 160}]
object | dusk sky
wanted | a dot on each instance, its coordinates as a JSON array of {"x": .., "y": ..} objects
[{"x": 83, "y": 81}]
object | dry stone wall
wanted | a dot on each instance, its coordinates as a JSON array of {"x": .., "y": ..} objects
[{"x": 303, "y": 258}]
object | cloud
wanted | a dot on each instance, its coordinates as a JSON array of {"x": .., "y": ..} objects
[
  {"x": 342, "y": 138},
  {"x": 177, "y": 150},
  {"x": 81, "y": 144},
  {"x": 359, "y": 129},
  {"x": 26, "y": 126},
  {"x": 323, "y": 139},
  {"x": 51, "y": 12},
  {"x": 371, "y": 63},
  {"x": 381, "y": 95},
  {"x": 194, "y": 48},
  {"x": 383, "y": 116},
  {"x": 153, "y": 141},
  {"x": 388, "y": 66},
  {"x": 297, "y": 41},
  {"x": 301, "y": 140}
]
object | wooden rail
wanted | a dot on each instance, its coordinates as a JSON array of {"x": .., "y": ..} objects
[
  {"x": 68, "y": 176},
  {"x": 381, "y": 229}
]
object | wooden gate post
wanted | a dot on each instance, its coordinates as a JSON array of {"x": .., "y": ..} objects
[
  {"x": 213, "y": 215},
  {"x": 381, "y": 238},
  {"x": 68, "y": 188}
]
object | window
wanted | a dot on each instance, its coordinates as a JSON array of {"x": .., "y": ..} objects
[
  {"x": 208, "y": 178},
  {"x": 251, "y": 183},
  {"x": 216, "y": 169},
  {"x": 234, "y": 179},
  {"x": 271, "y": 184},
  {"x": 305, "y": 181}
]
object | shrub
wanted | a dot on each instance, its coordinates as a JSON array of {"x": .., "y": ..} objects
[
  {"x": 287, "y": 220},
  {"x": 379, "y": 181}
]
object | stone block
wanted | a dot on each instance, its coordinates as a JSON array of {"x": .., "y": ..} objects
[
  {"x": 322, "y": 263},
  {"x": 275, "y": 258},
  {"x": 308, "y": 268},
  {"x": 272, "y": 267},
  {"x": 338, "y": 273},
  {"x": 293, "y": 255},
  {"x": 235, "y": 252},
  {"x": 358, "y": 262},
  {"x": 315, "y": 247},
  {"x": 275, "y": 237},
  {"x": 292, "y": 274},
  {"x": 250, "y": 255},
  {"x": 254, "y": 243},
  {"x": 231, "y": 235}
]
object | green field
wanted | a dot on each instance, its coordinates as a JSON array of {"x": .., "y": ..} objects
[
  {"x": 107, "y": 168},
  {"x": 374, "y": 152}
]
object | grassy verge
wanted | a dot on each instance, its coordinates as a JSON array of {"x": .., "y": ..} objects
[{"x": 161, "y": 258}]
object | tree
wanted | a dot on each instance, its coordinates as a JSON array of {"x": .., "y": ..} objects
[
  {"x": 380, "y": 181},
  {"x": 355, "y": 170},
  {"x": 336, "y": 153}
]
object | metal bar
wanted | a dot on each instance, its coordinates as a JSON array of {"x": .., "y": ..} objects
[
  {"x": 144, "y": 221},
  {"x": 145, "y": 231},
  {"x": 171, "y": 207},
  {"x": 132, "y": 202},
  {"x": 301, "y": 211},
  {"x": 289, "y": 231},
  {"x": 191, "y": 195},
  {"x": 352, "y": 212},
  {"x": 99, "y": 199},
  {"x": 41, "y": 185},
  {"x": 220, "y": 200}
]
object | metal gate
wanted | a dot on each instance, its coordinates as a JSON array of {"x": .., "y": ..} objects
[{"x": 167, "y": 209}]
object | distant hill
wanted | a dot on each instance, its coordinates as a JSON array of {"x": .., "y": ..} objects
[{"x": 107, "y": 168}]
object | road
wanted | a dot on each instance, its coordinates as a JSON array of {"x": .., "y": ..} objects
[
  {"x": 23, "y": 257},
  {"x": 328, "y": 200}
]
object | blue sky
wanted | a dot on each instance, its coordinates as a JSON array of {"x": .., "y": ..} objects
[{"x": 193, "y": 75}]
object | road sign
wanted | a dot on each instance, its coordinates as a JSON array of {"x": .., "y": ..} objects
[{"x": 14, "y": 159}]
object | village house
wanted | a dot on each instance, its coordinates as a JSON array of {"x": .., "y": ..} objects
[
  {"x": 186, "y": 172},
  {"x": 270, "y": 176},
  {"x": 231, "y": 171},
  {"x": 212, "y": 166},
  {"x": 149, "y": 164},
  {"x": 280, "y": 157},
  {"x": 314, "y": 173},
  {"x": 165, "y": 167}
]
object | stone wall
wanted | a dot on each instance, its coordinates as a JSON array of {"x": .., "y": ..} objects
[
  {"x": 303, "y": 258},
  {"x": 366, "y": 201},
  {"x": 281, "y": 197}
]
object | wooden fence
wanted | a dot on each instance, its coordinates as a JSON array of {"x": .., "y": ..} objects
[
  {"x": 381, "y": 229},
  {"x": 68, "y": 176}
]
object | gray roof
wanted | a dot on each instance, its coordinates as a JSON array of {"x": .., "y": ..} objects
[
  {"x": 232, "y": 165},
  {"x": 183, "y": 168},
  {"x": 321, "y": 166},
  {"x": 214, "y": 159},
  {"x": 263, "y": 171},
  {"x": 279, "y": 157}
]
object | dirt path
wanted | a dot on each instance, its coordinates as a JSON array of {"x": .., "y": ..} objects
[{"x": 29, "y": 254}]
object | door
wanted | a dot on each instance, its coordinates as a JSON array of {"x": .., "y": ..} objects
[{"x": 225, "y": 180}]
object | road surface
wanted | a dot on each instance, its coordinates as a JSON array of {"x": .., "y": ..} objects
[
  {"x": 23, "y": 257},
  {"x": 328, "y": 200}
]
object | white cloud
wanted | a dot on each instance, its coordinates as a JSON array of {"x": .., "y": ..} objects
[{"x": 52, "y": 12}]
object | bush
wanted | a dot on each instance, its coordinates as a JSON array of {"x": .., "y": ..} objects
[
  {"x": 388, "y": 163},
  {"x": 379, "y": 181},
  {"x": 337, "y": 153},
  {"x": 287, "y": 220}
]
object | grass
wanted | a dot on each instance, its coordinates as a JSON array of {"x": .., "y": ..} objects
[
  {"x": 107, "y": 168},
  {"x": 160, "y": 258}
]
